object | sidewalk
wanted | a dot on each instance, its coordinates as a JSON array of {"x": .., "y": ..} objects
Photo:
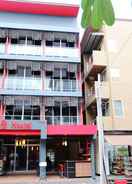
[{"x": 50, "y": 180}]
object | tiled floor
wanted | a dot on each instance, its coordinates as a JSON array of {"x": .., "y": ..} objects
[{"x": 50, "y": 180}]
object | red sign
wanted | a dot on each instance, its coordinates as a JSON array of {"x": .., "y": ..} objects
[{"x": 4, "y": 124}]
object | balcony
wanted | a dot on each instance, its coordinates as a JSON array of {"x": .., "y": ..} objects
[
  {"x": 62, "y": 52},
  {"x": 91, "y": 94},
  {"x": 32, "y": 52},
  {"x": 97, "y": 65},
  {"x": 51, "y": 120},
  {"x": 25, "y": 50},
  {"x": 39, "y": 86},
  {"x": 63, "y": 120}
]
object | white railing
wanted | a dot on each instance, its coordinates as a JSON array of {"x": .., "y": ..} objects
[
  {"x": 62, "y": 85},
  {"x": 22, "y": 49},
  {"x": 25, "y": 49},
  {"x": 2, "y": 48},
  {"x": 20, "y": 83},
  {"x": 62, "y": 120},
  {"x": 61, "y": 51},
  {"x": 51, "y": 120}
]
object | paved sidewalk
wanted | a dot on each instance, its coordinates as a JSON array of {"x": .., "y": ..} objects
[{"x": 50, "y": 180}]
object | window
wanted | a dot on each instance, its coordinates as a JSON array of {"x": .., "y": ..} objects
[
  {"x": 9, "y": 112},
  {"x": 49, "y": 43},
  {"x": 36, "y": 112},
  {"x": 115, "y": 73},
  {"x": 118, "y": 108},
  {"x": 2, "y": 40}
]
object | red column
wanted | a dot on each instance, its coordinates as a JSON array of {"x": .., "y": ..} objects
[
  {"x": 81, "y": 113},
  {"x": 78, "y": 77}
]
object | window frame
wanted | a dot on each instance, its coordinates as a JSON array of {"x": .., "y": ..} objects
[{"x": 122, "y": 106}]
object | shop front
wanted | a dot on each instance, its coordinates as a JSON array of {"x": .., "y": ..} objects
[
  {"x": 23, "y": 146},
  {"x": 33, "y": 147},
  {"x": 119, "y": 154},
  {"x": 20, "y": 153}
]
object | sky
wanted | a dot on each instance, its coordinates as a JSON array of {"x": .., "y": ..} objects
[{"x": 123, "y": 8}]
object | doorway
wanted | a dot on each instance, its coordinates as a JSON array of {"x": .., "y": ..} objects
[{"x": 21, "y": 154}]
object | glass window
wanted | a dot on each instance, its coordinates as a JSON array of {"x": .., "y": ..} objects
[
  {"x": 29, "y": 41},
  {"x": 2, "y": 40},
  {"x": 27, "y": 112},
  {"x": 73, "y": 111},
  {"x": 49, "y": 43},
  {"x": 57, "y": 73},
  {"x": 63, "y": 43},
  {"x": 9, "y": 112},
  {"x": 118, "y": 107},
  {"x": 64, "y": 73},
  {"x": 49, "y": 114},
  {"x": 14, "y": 40},
  {"x": 37, "y": 42},
  {"x": 28, "y": 72},
  {"x": 22, "y": 40},
  {"x": 18, "y": 112},
  {"x": 36, "y": 112},
  {"x": 70, "y": 44},
  {"x": 65, "y": 109},
  {"x": 20, "y": 71},
  {"x": 56, "y": 43}
]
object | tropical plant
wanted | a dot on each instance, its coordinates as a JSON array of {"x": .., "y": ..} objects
[{"x": 96, "y": 13}]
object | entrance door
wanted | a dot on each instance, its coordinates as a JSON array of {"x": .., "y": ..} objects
[
  {"x": 21, "y": 158},
  {"x": 33, "y": 157}
]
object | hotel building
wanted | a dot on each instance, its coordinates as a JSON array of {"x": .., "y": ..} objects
[{"x": 41, "y": 106}]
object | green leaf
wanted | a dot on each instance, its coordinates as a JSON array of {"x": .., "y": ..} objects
[
  {"x": 108, "y": 12},
  {"x": 84, "y": 4},
  {"x": 85, "y": 21},
  {"x": 96, "y": 17},
  {"x": 86, "y": 16}
]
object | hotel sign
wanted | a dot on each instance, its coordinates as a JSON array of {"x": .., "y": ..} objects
[{"x": 25, "y": 125}]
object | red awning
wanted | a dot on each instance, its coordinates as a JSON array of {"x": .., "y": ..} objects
[
  {"x": 20, "y": 132},
  {"x": 39, "y": 8},
  {"x": 56, "y": 130},
  {"x": 73, "y": 130}
]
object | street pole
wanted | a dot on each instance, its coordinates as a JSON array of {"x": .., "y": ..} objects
[{"x": 100, "y": 129}]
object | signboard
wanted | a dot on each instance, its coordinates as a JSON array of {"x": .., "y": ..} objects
[{"x": 25, "y": 125}]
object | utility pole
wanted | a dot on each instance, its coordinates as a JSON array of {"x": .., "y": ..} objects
[{"x": 100, "y": 130}]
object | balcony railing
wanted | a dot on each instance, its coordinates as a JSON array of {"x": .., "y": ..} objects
[
  {"x": 20, "y": 83},
  {"x": 25, "y": 49},
  {"x": 20, "y": 49},
  {"x": 62, "y": 120},
  {"x": 51, "y": 120},
  {"x": 62, "y": 85},
  {"x": 62, "y": 52}
]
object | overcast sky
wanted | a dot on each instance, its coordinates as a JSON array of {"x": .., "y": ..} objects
[{"x": 123, "y": 8}]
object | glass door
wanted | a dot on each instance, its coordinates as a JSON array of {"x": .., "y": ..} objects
[
  {"x": 21, "y": 158},
  {"x": 33, "y": 157}
]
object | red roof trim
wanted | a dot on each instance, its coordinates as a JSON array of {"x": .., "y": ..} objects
[{"x": 39, "y": 8}]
